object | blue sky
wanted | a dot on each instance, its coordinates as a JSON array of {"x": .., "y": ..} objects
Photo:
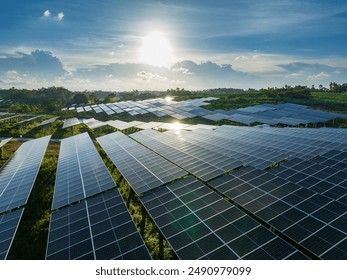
[{"x": 235, "y": 43}]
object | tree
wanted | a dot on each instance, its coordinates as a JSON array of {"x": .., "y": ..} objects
[
  {"x": 93, "y": 98},
  {"x": 110, "y": 98},
  {"x": 80, "y": 98}
]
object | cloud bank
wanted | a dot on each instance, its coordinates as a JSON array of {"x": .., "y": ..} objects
[{"x": 42, "y": 68}]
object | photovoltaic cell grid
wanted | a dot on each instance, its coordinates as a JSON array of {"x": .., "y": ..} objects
[
  {"x": 288, "y": 113},
  {"x": 331, "y": 182},
  {"x": 263, "y": 146},
  {"x": 199, "y": 224},
  {"x": 199, "y": 160},
  {"x": 251, "y": 154},
  {"x": 142, "y": 168},
  {"x": 334, "y": 158},
  {"x": 17, "y": 176},
  {"x": 81, "y": 171},
  {"x": 98, "y": 228},
  {"x": 304, "y": 143},
  {"x": 8, "y": 227},
  {"x": 312, "y": 220}
]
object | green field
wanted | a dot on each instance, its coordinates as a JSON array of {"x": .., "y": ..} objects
[{"x": 31, "y": 239}]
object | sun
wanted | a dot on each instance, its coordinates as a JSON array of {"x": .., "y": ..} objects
[{"x": 156, "y": 50}]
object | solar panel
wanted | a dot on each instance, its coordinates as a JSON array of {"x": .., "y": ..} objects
[
  {"x": 320, "y": 178},
  {"x": 199, "y": 224},
  {"x": 98, "y": 228},
  {"x": 119, "y": 124},
  {"x": 18, "y": 175},
  {"x": 71, "y": 122},
  {"x": 93, "y": 123},
  {"x": 199, "y": 160},
  {"x": 308, "y": 218},
  {"x": 4, "y": 141},
  {"x": 8, "y": 227},
  {"x": 49, "y": 121},
  {"x": 81, "y": 171},
  {"x": 149, "y": 125},
  {"x": 142, "y": 168}
]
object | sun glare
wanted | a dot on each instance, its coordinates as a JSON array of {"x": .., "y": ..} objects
[
  {"x": 168, "y": 99},
  {"x": 175, "y": 126},
  {"x": 156, "y": 50}
]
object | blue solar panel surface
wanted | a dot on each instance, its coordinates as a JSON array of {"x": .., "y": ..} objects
[
  {"x": 8, "y": 227},
  {"x": 99, "y": 228},
  {"x": 141, "y": 167},
  {"x": 81, "y": 171},
  {"x": 18, "y": 175},
  {"x": 199, "y": 224}
]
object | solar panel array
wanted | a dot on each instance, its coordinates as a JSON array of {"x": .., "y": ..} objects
[
  {"x": 8, "y": 227},
  {"x": 309, "y": 218},
  {"x": 81, "y": 171},
  {"x": 199, "y": 160},
  {"x": 235, "y": 150},
  {"x": 303, "y": 199},
  {"x": 123, "y": 125},
  {"x": 288, "y": 113},
  {"x": 17, "y": 176},
  {"x": 199, "y": 224},
  {"x": 98, "y": 228},
  {"x": 142, "y": 168},
  {"x": 159, "y": 107},
  {"x": 264, "y": 146}
]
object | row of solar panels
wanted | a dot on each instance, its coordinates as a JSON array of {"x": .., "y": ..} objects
[
  {"x": 159, "y": 107},
  {"x": 288, "y": 113},
  {"x": 194, "y": 228},
  {"x": 193, "y": 234},
  {"x": 17, "y": 178},
  {"x": 198, "y": 222},
  {"x": 89, "y": 219},
  {"x": 123, "y": 125}
]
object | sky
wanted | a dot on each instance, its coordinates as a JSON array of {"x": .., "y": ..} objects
[{"x": 157, "y": 45}]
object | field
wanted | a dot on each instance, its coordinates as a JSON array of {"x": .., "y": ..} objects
[{"x": 31, "y": 239}]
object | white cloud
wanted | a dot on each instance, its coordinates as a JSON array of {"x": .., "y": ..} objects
[
  {"x": 146, "y": 76},
  {"x": 182, "y": 70},
  {"x": 120, "y": 46},
  {"x": 242, "y": 57},
  {"x": 60, "y": 16},
  {"x": 112, "y": 53},
  {"x": 47, "y": 13},
  {"x": 319, "y": 76}
]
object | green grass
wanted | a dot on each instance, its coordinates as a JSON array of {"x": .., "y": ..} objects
[{"x": 31, "y": 238}]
